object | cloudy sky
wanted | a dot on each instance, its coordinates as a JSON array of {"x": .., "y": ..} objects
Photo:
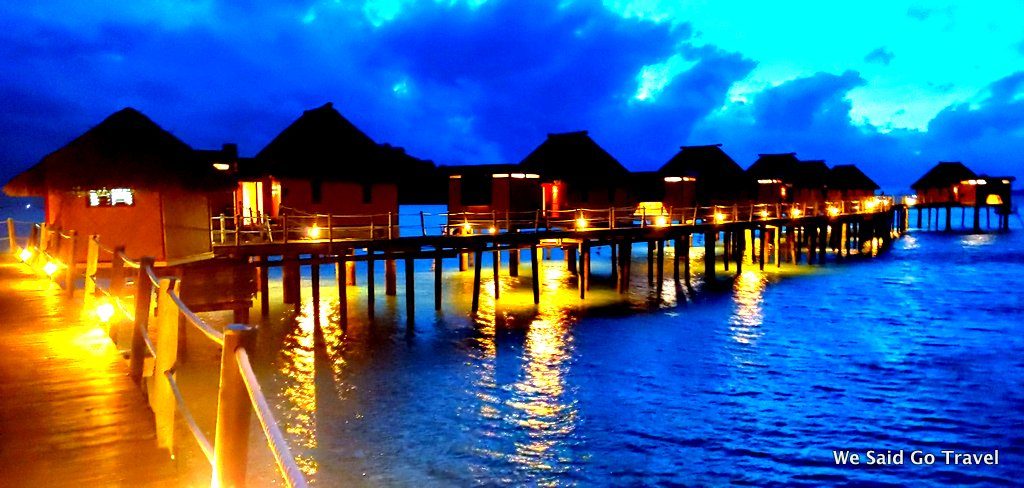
[{"x": 891, "y": 85}]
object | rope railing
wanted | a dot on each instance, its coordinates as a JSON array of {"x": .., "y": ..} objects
[
  {"x": 212, "y": 334},
  {"x": 190, "y": 421}
]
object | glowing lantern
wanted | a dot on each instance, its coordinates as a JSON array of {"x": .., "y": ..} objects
[
  {"x": 50, "y": 268},
  {"x": 104, "y": 311},
  {"x": 581, "y": 223},
  {"x": 833, "y": 211},
  {"x": 660, "y": 221},
  {"x": 764, "y": 214},
  {"x": 25, "y": 254},
  {"x": 313, "y": 232},
  {"x": 719, "y": 217},
  {"x": 796, "y": 213},
  {"x": 467, "y": 228},
  {"x": 871, "y": 204},
  {"x": 492, "y": 230}
]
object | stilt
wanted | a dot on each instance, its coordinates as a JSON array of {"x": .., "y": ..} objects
[
  {"x": 570, "y": 259},
  {"x": 661, "y": 265},
  {"x": 614, "y": 247},
  {"x": 264, "y": 275},
  {"x": 626, "y": 260},
  {"x": 977, "y": 217},
  {"x": 342, "y": 266},
  {"x": 709, "y": 256},
  {"x": 350, "y": 269},
  {"x": 581, "y": 282},
  {"x": 824, "y": 245},
  {"x": 949, "y": 217},
  {"x": 290, "y": 279},
  {"x": 477, "y": 254},
  {"x": 676, "y": 247},
  {"x": 918, "y": 217},
  {"x": 463, "y": 261},
  {"x": 369, "y": 285},
  {"x": 410, "y": 293},
  {"x": 726, "y": 248},
  {"x": 650, "y": 262},
  {"x": 314, "y": 273},
  {"x": 496, "y": 262},
  {"x": 741, "y": 245},
  {"x": 761, "y": 247},
  {"x": 776, "y": 231},
  {"x": 437, "y": 281},
  {"x": 390, "y": 278},
  {"x": 535, "y": 270},
  {"x": 586, "y": 262},
  {"x": 811, "y": 243},
  {"x": 513, "y": 262},
  {"x": 686, "y": 257}
]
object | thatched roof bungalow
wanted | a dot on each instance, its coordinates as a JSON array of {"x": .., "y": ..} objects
[
  {"x": 847, "y": 182},
  {"x": 576, "y": 172},
  {"x": 704, "y": 175},
  {"x": 131, "y": 182}
]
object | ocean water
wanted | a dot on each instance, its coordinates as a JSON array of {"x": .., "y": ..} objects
[{"x": 916, "y": 349}]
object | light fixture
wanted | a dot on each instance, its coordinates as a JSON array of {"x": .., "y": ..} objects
[
  {"x": 467, "y": 228},
  {"x": 795, "y": 213},
  {"x": 719, "y": 217},
  {"x": 50, "y": 268},
  {"x": 764, "y": 214},
  {"x": 104, "y": 310},
  {"x": 833, "y": 211},
  {"x": 581, "y": 223},
  {"x": 661, "y": 221},
  {"x": 313, "y": 232},
  {"x": 221, "y": 166},
  {"x": 25, "y": 254}
]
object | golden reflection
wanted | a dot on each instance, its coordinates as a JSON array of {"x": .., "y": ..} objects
[{"x": 747, "y": 318}]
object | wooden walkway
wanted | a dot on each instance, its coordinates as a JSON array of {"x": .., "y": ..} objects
[{"x": 69, "y": 415}]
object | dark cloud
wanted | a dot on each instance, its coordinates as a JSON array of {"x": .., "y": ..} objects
[{"x": 880, "y": 56}]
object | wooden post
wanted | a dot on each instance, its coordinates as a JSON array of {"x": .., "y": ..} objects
[
  {"x": 977, "y": 216},
  {"x": 535, "y": 269},
  {"x": 676, "y": 247},
  {"x": 390, "y": 278},
  {"x": 477, "y": 254},
  {"x": 143, "y": 299},
  {"x": 438, "y": 268},
  {"x": 776, "y": 234},
  {"x": 660, "y": 265},
  {"x": 12, "y": 240},
  {"x": 513, "y": 262},
  {"x": 234, "y": 411},
  {"x": 581, "y": 282},
  {"x": 291, "y": 280},
  {"x": 918, "y": 217},
  {"x": 117, "y": 272},
  {"x": 92, "y": 257},
  {"x": 340, "y": 267},
  {"x": 496, "y": 262},
  {"x": 823, "y": 242},
  {"x": 369, "y": 284},
  {"x": 570, "y": 259},
  {"x": 69, "y": 264},
  {"x": 685, "y": 251},
  {"x": 650, "y": 262},
  {"x": 264, "y": 274},
  {"x": 614, "y": 247},
  {"x": 161, "y": 396},
  {"x": 726, "y": 248},
  {"x": 709, "y": 255},
  {"x": 949, "y": 217},
  {"x": 410, "y": 293},
  {"x": 314, "y": 273},
  {"x": 741, "y": 245},
  {"x": 463, "y": 261},
  {"x": 761, "y": 247}
]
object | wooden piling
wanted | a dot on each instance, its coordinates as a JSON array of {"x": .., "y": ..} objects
[
  {"x": 264, "y": 277},
  {"x": 342, "y": 289},
  {"x": 314, "y": 273},
  {"x": 117, "y": 272},
  {"x": 70, "y": 268},
  {"x": 143, "y": 298},
  {"x": 535, "y": 270},
  {"x": 477, "y": 254},
  {"x": 977, "y": 217},
  {"x": 660, "y": 265},
  {"x": 410, "y": 293},
  {"x": 438, "y": 269},
  {"x": 390, "y": 278},
  {"x": 234, "y": 412},
  {"x": 676, "y": 247},
  {"x": 741, "y": 245},
  {"x": 685, "y": 251},
  {"x": 949, "y": 217},
  {"x": 291, "y": 279},
  {"x": 370, "y": 298},
  {"x": 650, "y": 262},
  {"x": 726, "y": 251},
  {"x": 581, "y": 282},
  {"x": 761, "y": 248},
  {"x": 614, "y": 248},
  {"x": 513, "y": 262},
  {"x": 496, "y": 266},
  {"x": 709, "y": 255},
  {"x": 570, "y": 259}
]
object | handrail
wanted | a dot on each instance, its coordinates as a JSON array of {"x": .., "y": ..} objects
[
  {"x": 197, "y": 433},
  {"x": 209, "y": 332},
  {"x": 278, "y": 446},
  {"x": 128, "y": 261}
]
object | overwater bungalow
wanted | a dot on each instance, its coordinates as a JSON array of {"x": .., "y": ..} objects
[
  {"x": 955, "y": 183},
  {"x": 575, "y": 172},
  {"x": 810, "y": 182},
  {"x": 847, "y": 182},
  {"x": 323, "y": 164},
  {"x": 705, "y": 175},
  {"x": 486, "y": 195},
  {"x": 774, "y": 174},
  {"x": 132, "y": 183}
]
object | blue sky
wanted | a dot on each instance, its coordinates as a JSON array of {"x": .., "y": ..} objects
[{"x": 893, "y": 86}]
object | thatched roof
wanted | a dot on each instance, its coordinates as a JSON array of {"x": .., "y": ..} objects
[
  {"x": 322, "y": 144},
  {"x": 718, "y": 175},
  {"x": 126, "y": 149},
  {"x": 944, "y": 175},
  {"x": 574, "y": 157},
  {"x": 810, "y": 174},
  {"x": 849, "y": 177},
  {"x": 774, "y": 166}
]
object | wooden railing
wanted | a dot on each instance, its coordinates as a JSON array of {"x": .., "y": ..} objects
[
  {"x": 153, "y": 363},
  {"x": 304, "y": 227}
]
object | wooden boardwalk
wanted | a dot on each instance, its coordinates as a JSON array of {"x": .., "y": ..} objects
[{"x": 69, "y": 414}]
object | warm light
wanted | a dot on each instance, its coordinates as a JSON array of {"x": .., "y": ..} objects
[
  {"x": 499, "y": 175},
  {"x": 221, "y": 166},
  {"x": 519, "y": 175},
  {"x": 313, "y": 232},
  {"x": 871, "y": 204},
  {"x": 492, "y": 230},
  {"x": 25, "y": 254},
  {"x": 104, "y": 311},
  {"x": 719, "y": 217},
  {"x": 649, "y": 208},
  {"x": 660, "y": 221},
  {"x": 50, "y": 268},
  {"x": 993, "y": 200},
  {"x": 1005, "y": 182},
  {"x": 769, "y": 181},
  {"x": 673, "y": 179},
  {"x": 467, "y": 228},
  {"x": 910, "y": 201},
  {"x": 795, "y": 213},
  {"x": 982, "y": 182},
  {"x": 454, "y": 177},
  {"x": 581, "y": 223},
  {"x": 764, "y": 214},
  {"x": 833, "y": 211}
]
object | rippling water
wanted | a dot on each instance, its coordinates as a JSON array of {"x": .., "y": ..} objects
[{"x": 915, "y": 349}]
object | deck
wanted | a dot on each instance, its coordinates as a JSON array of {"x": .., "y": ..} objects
[{"x": 69, "y": 414}]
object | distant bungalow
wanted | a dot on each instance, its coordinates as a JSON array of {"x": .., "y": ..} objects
[
  {"x": 702, "y": 176},
  {"x": 954, "y": 183},
  {"x": 323, "y": 164},
  {"x": 847, "y": 182},
  {"x": 132, "y": 183}
]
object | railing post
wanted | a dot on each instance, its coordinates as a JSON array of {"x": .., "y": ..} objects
[
  {"x": 390, "y": 236},
  {"x": 162, "y": 398},
  {"x": 92, "y": 257},
  {"x": 69, "y": 263},
  {"x": 423, "y": 223},
  {"x": 12, "y": 240},
  {"x": 143, "y": 298},
  {"x": 611, "y": 218},
  {"x": 231, "y": 440},
  {"x": 284, "y": 228},
  {"x": 117, "y": 272},
  {"x": 238, "y": 230}
]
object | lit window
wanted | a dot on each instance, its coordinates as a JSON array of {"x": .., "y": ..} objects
[{"x": 111, "y": 198}]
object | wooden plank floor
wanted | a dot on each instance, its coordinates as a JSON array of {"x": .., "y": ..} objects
[{"x": 69, "y": 415}]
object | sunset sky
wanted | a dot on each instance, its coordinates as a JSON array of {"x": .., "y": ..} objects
[{"x": 893, "y": 86}]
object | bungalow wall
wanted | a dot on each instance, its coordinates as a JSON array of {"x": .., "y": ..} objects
[
  {"x": 139, "y": 227},
  {"x": 186, "y": 222},
  {"x": 848, "y": 195},
  {"x": 501, "y": 196},
  {"x": 680, "y": 194},
  {"x": 342, "y": 198},
  {"x": 958, "y": 193}
]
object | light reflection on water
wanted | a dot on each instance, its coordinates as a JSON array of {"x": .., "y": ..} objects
[{"x": 755, "y": 384}]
